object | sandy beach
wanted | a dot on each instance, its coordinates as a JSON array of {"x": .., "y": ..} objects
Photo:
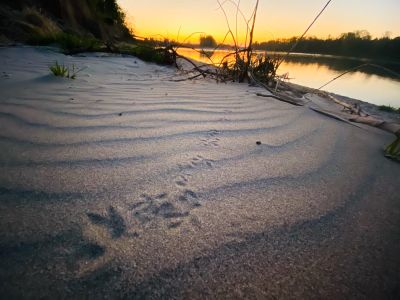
[{"x": 124, "y": 183}]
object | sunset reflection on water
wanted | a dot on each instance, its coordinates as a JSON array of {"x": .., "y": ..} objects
[{"x": 369, "y": 85}]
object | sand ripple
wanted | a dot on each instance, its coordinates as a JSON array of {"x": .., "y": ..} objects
[{"x": 120, "y": 175}]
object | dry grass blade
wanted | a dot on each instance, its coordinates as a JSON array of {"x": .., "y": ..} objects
[
  {"x": 359, "y": 67},
  {"x": 303, "y": 35}
]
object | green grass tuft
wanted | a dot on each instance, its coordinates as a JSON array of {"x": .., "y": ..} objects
[
  {"x": 73, "y": 43},
  {"x": 389, "y": 108},
  {"x": 68, "y": 42},
  {"x": 393, "y": 150},
  {"x": 158, "y": 55},
  {"x": 63, "y": 71},
  {"x": 59, "y": 70}
]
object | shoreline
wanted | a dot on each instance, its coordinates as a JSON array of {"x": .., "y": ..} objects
[
  {"x": 330, "y": 69},
  {"x": 296, "y": 89},
  {"x": 370, "y": 108},
  {"x": 295, "y": 93},
  {"x": 304, "y": 54}
]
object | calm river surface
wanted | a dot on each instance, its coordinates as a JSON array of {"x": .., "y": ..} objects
[{"x": 368, "y": 84}]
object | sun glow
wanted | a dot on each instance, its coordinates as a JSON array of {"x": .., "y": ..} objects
[{"x": 177, "y": 20}]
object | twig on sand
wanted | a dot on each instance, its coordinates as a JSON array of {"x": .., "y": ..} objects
[
  {"x": 356, "y": 115},
  {"x": 332, "y": 115},
  {"x": 281, "y": 97},
  {"x": 185, "y": 79},
  {"x": 390, "y": 127},
  {"x": 356, "y": 109}
]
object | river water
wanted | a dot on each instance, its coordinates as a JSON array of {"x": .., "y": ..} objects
[{"x": 369, "y": 84}]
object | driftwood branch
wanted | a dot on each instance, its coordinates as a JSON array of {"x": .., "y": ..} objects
[
  {"x": 281, "y": 97},
  {"x": 356, "y": 109},
  {"x": 332, "y": 115}
]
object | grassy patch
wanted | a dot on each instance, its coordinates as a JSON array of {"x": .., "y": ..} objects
[
  {"x": 63, "y": 71},
  {"x": 393, "y": 150},
  {"x": 73, "y": 44},
  {"x": 59, "y": 70},
  {"x": 389, "y": 108},
  {"x": 263, "y": 67},
  {"x": 68, "y": 42},
  {"x": 148, "y": 53}
]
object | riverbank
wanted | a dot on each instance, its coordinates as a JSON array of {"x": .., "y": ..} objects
[
  {"x": 371, "y": 109},
  {"x": 337, "y": 106},
  {"x": 125, "y": 183},
  {"x": 370, "y": 84}
]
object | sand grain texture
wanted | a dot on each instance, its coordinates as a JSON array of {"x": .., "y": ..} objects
[{"x": 124, "y": 184}]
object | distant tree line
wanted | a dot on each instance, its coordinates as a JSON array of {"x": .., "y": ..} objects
[{"x": 357, "y": 44}]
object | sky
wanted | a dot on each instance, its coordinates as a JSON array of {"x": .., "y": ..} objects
[{"x": 177, "y": 19}]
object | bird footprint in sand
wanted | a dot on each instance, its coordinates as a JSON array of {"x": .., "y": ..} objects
[{"x": 113, "y": 222}]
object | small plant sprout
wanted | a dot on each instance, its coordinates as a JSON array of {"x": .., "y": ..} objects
[
  {"x": 63, "y": 71},
  {"x": 393, "y": 150},
  {"x": 59, "y": 70}
]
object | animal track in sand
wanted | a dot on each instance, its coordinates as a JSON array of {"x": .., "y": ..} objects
[
  {"x": 199, "y": 160},
  {"x": 188, "y": 194},
  {"x": 211, "y": 139},
  {"x": 195, "y": 162},
  {"x": 150, "y": 208},
  {"x": 181, "y": 180},
  {"x": 113, "y": 222}
]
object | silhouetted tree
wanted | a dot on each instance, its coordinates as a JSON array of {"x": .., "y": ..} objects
[{"x": 207, "y": 42}]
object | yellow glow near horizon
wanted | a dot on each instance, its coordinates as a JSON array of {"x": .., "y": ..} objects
[{"x": 276, "y": 19}]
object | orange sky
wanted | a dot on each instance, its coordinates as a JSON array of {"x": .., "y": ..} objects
[{"x": 276, "y": 19}]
